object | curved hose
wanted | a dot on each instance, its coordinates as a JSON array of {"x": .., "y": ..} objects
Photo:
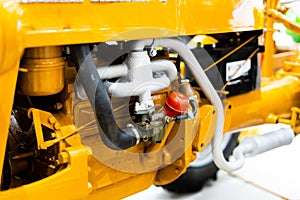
[
  {"x": 113, "y": 137},
  {"x": 186, "y": 115},
  {"x": 186, "y": 54}
]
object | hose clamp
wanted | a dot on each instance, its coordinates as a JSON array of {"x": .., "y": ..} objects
[{"x": 137, "y": 135}]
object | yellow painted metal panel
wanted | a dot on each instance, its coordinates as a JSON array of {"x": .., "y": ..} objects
[{"x": 69, "y": 23}]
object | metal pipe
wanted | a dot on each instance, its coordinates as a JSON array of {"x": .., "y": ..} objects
[
  {"x": 137, "y": 88},
  {"x": 279, "y": 17},
  {"x": 254, "y": 145},
  {"x": 112, "y": 136},
  {"x": 113, "y": 71},
  {"x": 139, "y": 76},
  {"x": 165, "y": 66},
  {"x": 208, "y": 89},
  {"x": 268, "y": 62}
]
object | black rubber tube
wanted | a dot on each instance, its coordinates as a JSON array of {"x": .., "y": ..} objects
[
  {"x": 194, "y": 107},
  {"x": 186, "y": 116},
  {"x": 112, "y": 136}
]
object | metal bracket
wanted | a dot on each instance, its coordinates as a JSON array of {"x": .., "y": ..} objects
[{"x": 46, "y": 119}]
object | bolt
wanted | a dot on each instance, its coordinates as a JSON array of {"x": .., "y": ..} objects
[
  {"x": 56, "y": 126},
  {"x": 52, "y": 120},
  {"x": 179, "y": 162},
  {"x": 53, "y": 135},
  {"x": 70, "y": 88},
  {"x": 145, "y": 138},
  {"x": 63, "y": 157},
  {"x": 56, "y": 163}
]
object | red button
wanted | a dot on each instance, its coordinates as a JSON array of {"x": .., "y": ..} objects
[{"x": 176, "y": 104}]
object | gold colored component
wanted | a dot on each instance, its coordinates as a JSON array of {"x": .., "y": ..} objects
[
  {"x": 63, "y": 157},
  {"x": 75, "y": 174},
  {"x": 43, "y": 52},
  {"x": 204, "y": 40},
  {"x": 102, "y": 180},
  {"x": 290, "y": 68},
  {"x": 56, "y": 126},
  {"x": 280, "y": 18},
  {"x": 46, "y": 119},
  {"x": 52, "y": 120},
  {"x": 187, "y": 132},
  {"x": 206, "y": 130},
  {"x": 292, "y": 65},
  {"x": 281, "y": 58},
  {"x": 293, "y": 120},
  {"x": 118, "y": 185},
  {"x": 276, "y": 96},
  {"x": 282, "y": 73},
  {"x": 53, "y": 135},
  {"x": 41, "y": 71},
  {"x": 42, "y": 23},
  {"x": 268, "y": 63}
]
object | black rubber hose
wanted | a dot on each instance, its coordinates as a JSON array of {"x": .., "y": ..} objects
[
  {"x": 194, "y": 107},
  {"x": 112, "y": 136},
  {"x": 186, "y": 116}
]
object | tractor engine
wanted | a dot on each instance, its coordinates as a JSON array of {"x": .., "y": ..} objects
[{"x": 127, "y": 99}]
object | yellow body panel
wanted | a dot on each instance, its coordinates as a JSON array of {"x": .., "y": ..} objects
[
  {"x": 42, "y": 24},
  {"x": 277, "y": 96},
  {"x": 70, "y": 183}
]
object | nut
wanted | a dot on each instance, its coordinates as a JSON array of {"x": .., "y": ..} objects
[
  {"x": 56, "y": 126},
  {"x": 63, "y": 157},
  {"x": 52, "y": 120}
]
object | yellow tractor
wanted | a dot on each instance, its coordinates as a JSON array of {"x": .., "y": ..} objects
[{"x": 103, "y": 98}]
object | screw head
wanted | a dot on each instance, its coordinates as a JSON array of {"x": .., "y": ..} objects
[
  {"x": 52, "y": 120},
  {"x": 56, "y": 126},
  {"x": 63, "y": 157}
]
